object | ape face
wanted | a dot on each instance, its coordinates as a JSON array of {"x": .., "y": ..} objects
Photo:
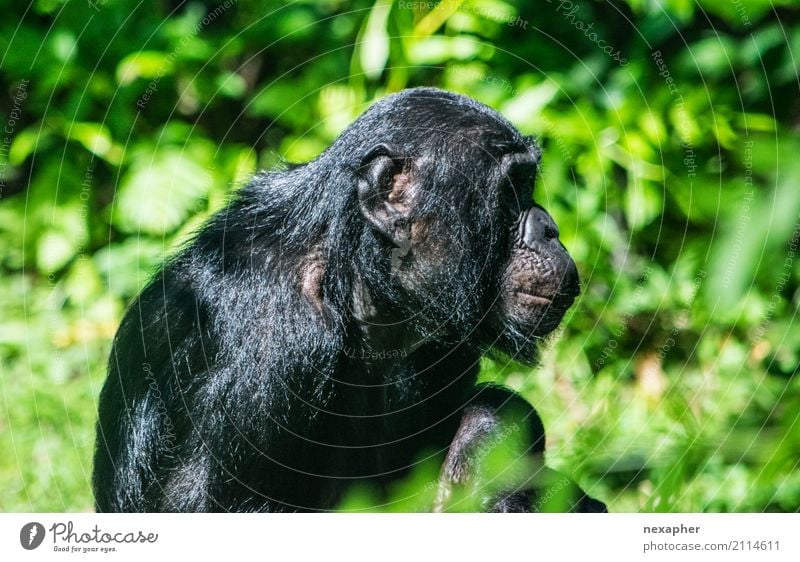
[{"x": 472, "y": 255}]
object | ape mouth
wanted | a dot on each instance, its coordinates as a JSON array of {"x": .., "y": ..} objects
[
  {"x": 559, "y": 300},
  {"x": 533, "y": 299}
]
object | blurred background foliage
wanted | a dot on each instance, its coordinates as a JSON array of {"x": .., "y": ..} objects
[{"x": 671, "y": 139}]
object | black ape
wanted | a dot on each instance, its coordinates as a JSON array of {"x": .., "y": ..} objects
[{"x": 326, "y": 328}]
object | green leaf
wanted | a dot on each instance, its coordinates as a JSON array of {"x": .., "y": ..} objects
[
  {"x": 25, "y": 144},
  {"x": 741, "y": 14},
  {"x": 231, "y": 84},
  {"x": 644, "y": 201},
  {"x": 125, "y": 267},
  {"x": 143, "y": 64},
  {"x": 54, "y": 250},
  {"x": 438, "y": 49},
  {"x": 59, "y": 231},
  {"x": 374, "y": 48},
  {"x": 156, "y": 196},
  {"x": 64, "y": 45},
  {"x": 244, "y": 166},
  {"x": 494, "y": 10},
  {"x": 97, "y": 139},
  {"x": 337, "y": 107},
  {"x": 302, "y": 149},
  {"x": 524, "y": 108},
  {"x": 82, "y": 283}
]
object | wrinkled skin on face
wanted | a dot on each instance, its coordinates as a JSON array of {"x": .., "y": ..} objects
[{"x": 540, "y": 280}]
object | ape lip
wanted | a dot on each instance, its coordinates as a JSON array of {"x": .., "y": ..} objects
[
  {"x": 558, "y": 298},
  {"x": 535, "y": 299}
]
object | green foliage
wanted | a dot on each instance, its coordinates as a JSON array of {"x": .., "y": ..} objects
[{"x": 671, "y": 170}]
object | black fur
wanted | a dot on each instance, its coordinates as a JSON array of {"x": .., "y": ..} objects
[{"x": 326, "y": 328}]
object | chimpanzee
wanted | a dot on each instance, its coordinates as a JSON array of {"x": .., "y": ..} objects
[{"x": 325, "y": 329}]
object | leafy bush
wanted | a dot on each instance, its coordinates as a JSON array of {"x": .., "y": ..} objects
[{"x": 670, "y": 136}]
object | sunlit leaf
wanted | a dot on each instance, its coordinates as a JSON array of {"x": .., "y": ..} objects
[
  {"x": 437, "y": 49},
  {"x": 527, "y": 104},
  {"x": 54, "y": 250},
  {"x": 143, "y": 64},
  {"x": 157, "y": 196},
  {"x": 97, "y": 139},
  {"x": 25, "y": 144},
  {"x": 644, "y": 201},
  {"x": 375, "y": 46}
]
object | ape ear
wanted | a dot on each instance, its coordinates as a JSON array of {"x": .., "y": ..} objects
[{"x": 383, "y": 192}]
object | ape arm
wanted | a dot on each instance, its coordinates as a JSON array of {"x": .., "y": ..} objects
[{"x": 498, "y": 419}]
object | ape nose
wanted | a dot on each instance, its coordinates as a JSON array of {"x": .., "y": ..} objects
[{"x": 537, "y": 226}]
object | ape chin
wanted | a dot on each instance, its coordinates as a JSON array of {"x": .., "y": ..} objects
[{"x": 326, "y": 328}]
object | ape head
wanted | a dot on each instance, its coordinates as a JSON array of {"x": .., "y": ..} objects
[{"x": 453, "y": 241}]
